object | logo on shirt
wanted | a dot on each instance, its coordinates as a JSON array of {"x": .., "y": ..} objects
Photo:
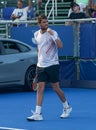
[{"x": 20, "y": 14}]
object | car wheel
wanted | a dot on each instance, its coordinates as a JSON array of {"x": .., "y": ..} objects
[{"x": 29, "y": 77}]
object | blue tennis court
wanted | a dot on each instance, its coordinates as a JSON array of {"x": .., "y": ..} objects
[{"x": 16, "y": 106}]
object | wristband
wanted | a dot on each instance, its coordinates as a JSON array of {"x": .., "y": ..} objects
[{"x": 54, "y": 37}]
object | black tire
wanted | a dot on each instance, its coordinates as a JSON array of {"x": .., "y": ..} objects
[{"x": 30, "y": 74}]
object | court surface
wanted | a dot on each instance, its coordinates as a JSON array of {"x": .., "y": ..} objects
[{"x": 15, "y": 106}]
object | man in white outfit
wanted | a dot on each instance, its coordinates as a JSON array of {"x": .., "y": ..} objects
[
  {"x": 20, "y": 13},
  {"x": 47, "y": 70}
]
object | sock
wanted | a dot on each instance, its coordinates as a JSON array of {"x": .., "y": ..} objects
[
  {"x": 65, "y": 104},
  {"x": 38, "y": 109}
]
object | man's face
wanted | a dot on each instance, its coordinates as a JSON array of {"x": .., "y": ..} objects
[
  {"x": 44, "y": 24},
  {"x": 76, "y": 8},
  {"x": 19, "y": 4}
]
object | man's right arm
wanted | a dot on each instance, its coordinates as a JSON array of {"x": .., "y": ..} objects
[{"x": 13, "y": 16}]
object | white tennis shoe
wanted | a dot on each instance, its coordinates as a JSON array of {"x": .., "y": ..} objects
[
  {"x": 35, "y": 117},
  {"x": 66, "y": 112},
  {"x": 38, "y": 117}
]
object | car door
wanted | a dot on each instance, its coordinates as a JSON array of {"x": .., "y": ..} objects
[{"x": 12, "y": 63}]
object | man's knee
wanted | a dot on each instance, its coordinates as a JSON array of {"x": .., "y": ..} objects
[{"x": 40, "y": 87}]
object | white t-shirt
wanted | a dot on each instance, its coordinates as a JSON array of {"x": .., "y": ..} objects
[
  {"x": 21, "y": 12},
  {"x": 47, "y": 49}
]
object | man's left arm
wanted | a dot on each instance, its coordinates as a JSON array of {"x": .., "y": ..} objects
[{"x": 55, "y": 38}]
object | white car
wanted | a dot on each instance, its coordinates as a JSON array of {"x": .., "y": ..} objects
[{"x": 17, "y": 63}]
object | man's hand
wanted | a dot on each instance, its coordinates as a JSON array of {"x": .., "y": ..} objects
[
  {"x": 50, "y": 31},
  {"x": 55, "y": 38}
]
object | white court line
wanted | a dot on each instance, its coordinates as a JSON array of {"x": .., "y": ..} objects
[{"x": 7, "y": 128}]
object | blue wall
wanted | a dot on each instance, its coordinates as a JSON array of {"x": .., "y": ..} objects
[
  {"x": 68, "y": 68},
  {"x": 88, "y": 40},
  {"x": 26, "y": 34}
]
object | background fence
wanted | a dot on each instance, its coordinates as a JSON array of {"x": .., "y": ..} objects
[{"x": 78, "y": 56}]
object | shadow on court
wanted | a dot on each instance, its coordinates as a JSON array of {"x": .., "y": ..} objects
[{"x": 16, "y": 105}]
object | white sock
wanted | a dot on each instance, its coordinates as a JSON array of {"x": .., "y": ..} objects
[
  {"x": 38, "y": 109},
  {"x": 65, "y": 104}
]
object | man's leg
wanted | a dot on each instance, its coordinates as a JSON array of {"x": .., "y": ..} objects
[
  {"x": 39, "y": 99},
  {"x": 66, "y": 108},
  {"x": 40, "y": 94},
  {"x": 59, "y": 92}
]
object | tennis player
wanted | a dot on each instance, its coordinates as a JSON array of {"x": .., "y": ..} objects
[{"x": 47, "y": 70}]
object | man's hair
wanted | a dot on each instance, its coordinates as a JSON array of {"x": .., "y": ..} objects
[
  {"x": 20, "y": 1},
  {"x": 40, "y": 17},
  {"x": 73, "y": 4}
]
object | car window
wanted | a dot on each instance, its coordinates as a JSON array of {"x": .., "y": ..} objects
[
  {"x": 10, "y": 47},
  {"x": 23, "y": 48},
  {"x": 0, "y": 48}
]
